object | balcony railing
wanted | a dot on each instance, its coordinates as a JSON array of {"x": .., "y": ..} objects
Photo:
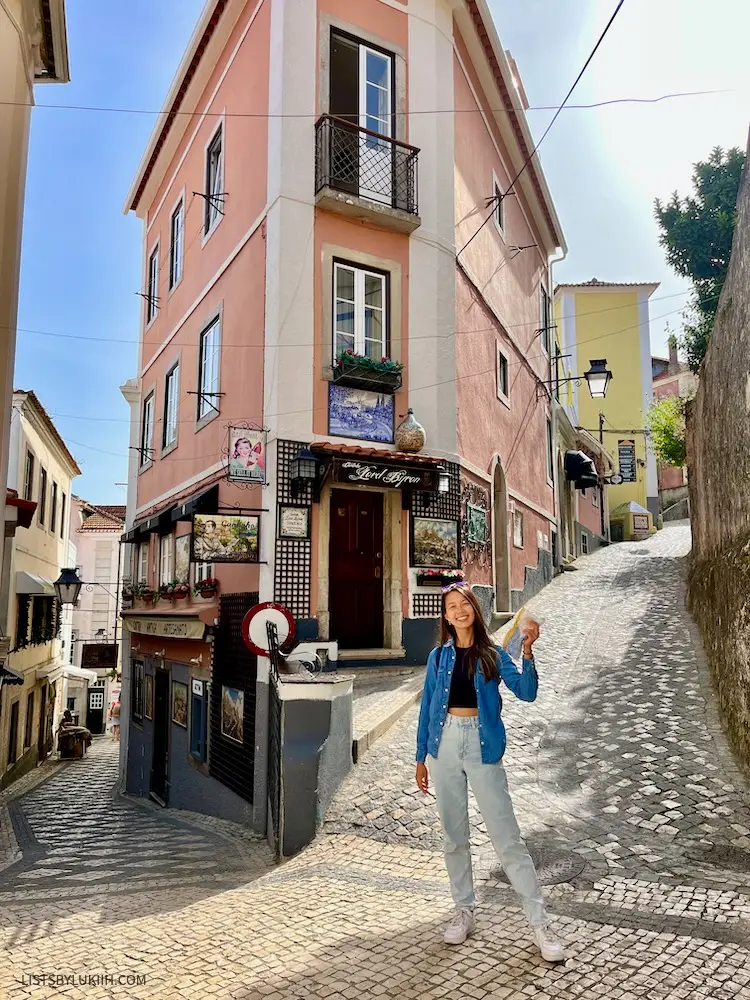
[{"x": 362, "y": 163}]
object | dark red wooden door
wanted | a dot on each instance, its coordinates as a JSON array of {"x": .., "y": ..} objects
[{"x": 356, "y": 569}]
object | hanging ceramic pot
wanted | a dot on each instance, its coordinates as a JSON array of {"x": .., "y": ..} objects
[{"x": 410, "y": 435}]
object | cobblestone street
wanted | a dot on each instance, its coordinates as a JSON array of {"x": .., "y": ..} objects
[{"x": 620, "y": 764}]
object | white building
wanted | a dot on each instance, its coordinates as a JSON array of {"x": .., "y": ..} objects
[{"x": 96, "y": 530}]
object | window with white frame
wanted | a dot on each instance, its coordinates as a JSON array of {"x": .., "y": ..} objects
[
  {"x": 142, "y": 567},
  {"x": 202, "y": 571},
  {"x": 498, "y": 211},
  {"x": 595, "y": 496},
  {"x": 214, "y": 193},
  {"x": 152, "y": 286},
  {"x": 584, "y": 543},
  {"x": 545, "y": 318},
  {"x": 518, "y": 529},
  {"x": 360, "y": 314},
  {"x": 208, "y": 370},
  {"x": 503, "y": 375},
  {"x": 147, "y": 430},
  {"x": 28, "y": 478},
  {"x": 42, "y": 505},
  {"x": 171, "y": 406},
  {"x": 176, "y": 244},
  {"x": 166, "y": 559}
]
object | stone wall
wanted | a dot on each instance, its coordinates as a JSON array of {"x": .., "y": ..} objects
[{"x": 718, "y": 427}]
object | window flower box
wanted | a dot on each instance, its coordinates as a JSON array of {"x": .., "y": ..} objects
[
  {"x": 207, "y": 588},
  {"x": 359, "y": 372},
  {"x": 439, "y": 578},
  {"x": 173, "y": 591}
]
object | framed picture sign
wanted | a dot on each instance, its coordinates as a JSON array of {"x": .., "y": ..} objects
[
  {"x": 476, "y": 518},
  {"x": 294, "y": 522}
]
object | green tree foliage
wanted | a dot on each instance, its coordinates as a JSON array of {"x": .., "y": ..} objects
[
  {"x": 665, "y": 420},
  {"x": 696, "y": 233}
]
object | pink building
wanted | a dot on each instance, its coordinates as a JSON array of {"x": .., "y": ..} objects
[
  {"x": 672, "y": 377},
  {"x": 316, "y": 169}
]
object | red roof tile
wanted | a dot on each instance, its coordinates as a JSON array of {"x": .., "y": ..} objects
[{"x": 374, "y": 454}]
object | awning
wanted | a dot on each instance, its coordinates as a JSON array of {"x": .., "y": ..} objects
[
  {"x": 30, "y": 583},
  {"x": 25, "y": 510},
  {"x": 204, "y": 503},
  {"x": 8, "y": 676},
  {"x": 164, "y": 626},
  {"x": 54, "y": 671}
]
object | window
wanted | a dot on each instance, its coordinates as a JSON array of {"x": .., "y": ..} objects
[
  {"x": 360, "y": 317},
  {"x": 585, "y": 542},
  {"x": 595, "y": 496},
  {"x": 550, "y": 453},
  {"x": 171, "y": 407},
  {"x": 545, "y": 319},
  {"x": 208, "y": 375},
  {"x": 147, "y": 430},
  {"x": 28, "y": 477},
  {"x": 142, "y": 568},
  {"x": 198, "y": 720},
  {"x": 53, "y": 510},
  {"x": 203, "y": 571},
  {"x": 152, "y": 291},
  {"x": 136, "y": 695},
  {"x": 518, "y": 529},
  {"x": 42, "y": 508},
  {"x": 13, "y": 735},
  {"x": 502, "y": 374},
  {"x": 62, "y": 515},
  {"x": 29, "y": 727},
  {"x": 214, "y": 190},
  {"x": 166, "y": 559},
  {"x": 176, "y": 241},
  {"x": 498, "y": 209}
]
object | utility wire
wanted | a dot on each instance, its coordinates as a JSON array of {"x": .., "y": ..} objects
[
  {"x": 546, "y": 132},
  {"x": 396, "y": 114}
]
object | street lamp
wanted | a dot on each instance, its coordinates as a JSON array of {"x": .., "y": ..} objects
[
  {"x": 305, "y": 468},
  {"x": 68, "y": 587},
  {"x": 598, "y": 377}
]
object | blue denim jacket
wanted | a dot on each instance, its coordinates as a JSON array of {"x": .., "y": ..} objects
[{"x": 523, "y": 683}]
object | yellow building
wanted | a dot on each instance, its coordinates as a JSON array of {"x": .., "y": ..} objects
[
  {"x": 33, "y": 49},
  {"x": 35, "y": 678},
  {"x": 610, "y": 320}
]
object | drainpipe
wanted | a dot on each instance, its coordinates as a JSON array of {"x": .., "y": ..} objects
[
  {"x": 601, "y": 485},
  {"x": 557, "y": 490}
]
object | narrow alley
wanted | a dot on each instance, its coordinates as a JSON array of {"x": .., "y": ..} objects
[{"x": 625, "y": 792}]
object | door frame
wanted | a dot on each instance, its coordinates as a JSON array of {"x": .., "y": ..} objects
[
  {"x": 393, "y": 549},
  {"x": 167, "y": 673}
]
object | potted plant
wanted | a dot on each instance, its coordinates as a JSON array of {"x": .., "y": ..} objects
[
  {"x": 439, "y": 577},
  {"x": 147, "y": 595},
  {"x": 206, "y": 588},
  {"x": 360, "y": 372},
  {"x": 179, "y": 590}
]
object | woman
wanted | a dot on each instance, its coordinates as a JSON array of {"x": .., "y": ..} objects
[
  {"x": 462, "y": 733},
  {"x": 114, "y": 718}
]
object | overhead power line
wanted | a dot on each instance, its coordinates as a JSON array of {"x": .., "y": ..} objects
[
  {"x": 100, "y": 109},
  {"x": 546, "y": 132}
]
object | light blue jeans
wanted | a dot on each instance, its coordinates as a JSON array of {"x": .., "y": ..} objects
[{"x": 459, "y": 761}]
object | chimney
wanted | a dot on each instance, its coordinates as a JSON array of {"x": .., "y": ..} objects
[{"x": 674, "y": 361}]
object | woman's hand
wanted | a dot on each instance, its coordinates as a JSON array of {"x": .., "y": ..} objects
[
  {"x": 530, "y": 636},
  {"x": 422, "y": 778}
]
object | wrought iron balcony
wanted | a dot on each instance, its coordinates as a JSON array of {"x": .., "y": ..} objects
[{"x": 378, "y": 171}]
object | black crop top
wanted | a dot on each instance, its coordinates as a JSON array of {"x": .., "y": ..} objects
[{"x": 463, "y": 693}]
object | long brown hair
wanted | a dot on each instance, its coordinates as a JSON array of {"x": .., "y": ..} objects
[{"x": 482, "y": 649}]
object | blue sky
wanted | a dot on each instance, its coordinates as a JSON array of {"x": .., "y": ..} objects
[{"x": 81, "y": 264}]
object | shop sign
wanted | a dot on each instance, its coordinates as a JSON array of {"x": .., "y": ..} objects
[
  {"x": 626, "y": 456},
  {"x": 395, "y": 477},
  {"x": 167, "y": 628},
  {"x": 99, "y": 655}
]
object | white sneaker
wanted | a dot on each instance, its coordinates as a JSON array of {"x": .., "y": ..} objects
[
  {"x": 551, "y": 949},
  {"x": 460, "y": 927}
]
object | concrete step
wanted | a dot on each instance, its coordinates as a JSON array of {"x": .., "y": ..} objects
[{"x": 381, "y": 697}]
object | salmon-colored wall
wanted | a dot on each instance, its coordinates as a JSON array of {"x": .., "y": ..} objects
[
  {"x": 370, "y": 15},
  {"x": 363, "y": 238},
  {"x": 509, "y": 283},
  {"x": 589, "y": 515},
  {"x": 239, "y": 291}
]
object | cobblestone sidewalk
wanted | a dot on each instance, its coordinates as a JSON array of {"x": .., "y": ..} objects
[{"x": 619, "y": 761}]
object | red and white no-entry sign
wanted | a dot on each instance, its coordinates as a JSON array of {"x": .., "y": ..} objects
[{"x": 255, "y": 632}]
